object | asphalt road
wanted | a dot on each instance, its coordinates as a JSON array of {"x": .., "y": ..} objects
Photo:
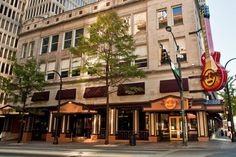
[{"x": 8, "y": 151}]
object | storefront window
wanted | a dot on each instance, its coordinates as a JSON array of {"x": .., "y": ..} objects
[
  {"x": 192, "y": 121},
  {"x": 164, "y": 122},
  {"x": 192, "y": 127},
  {"x": 125, "y": 121}
]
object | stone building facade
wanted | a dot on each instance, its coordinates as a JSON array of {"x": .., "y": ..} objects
[
  {"x": 152, "y": 115},
  {"x": 46, "y": 8}
]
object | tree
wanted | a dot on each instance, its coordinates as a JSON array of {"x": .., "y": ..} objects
[
  {"x": 232, "y": 90},
  {"x": 26, "y": 79},
  {"x": 108, "y": 54}
]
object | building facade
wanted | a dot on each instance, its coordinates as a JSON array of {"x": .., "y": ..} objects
[
  {"x": 46, "y": 8},
  {"x": 11, "y": 13},
  {"x": 153, "y": 114}
]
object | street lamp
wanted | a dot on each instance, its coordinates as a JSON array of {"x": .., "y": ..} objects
[
  {"x": 55, "y": 141},
  {"x": 180, "y": 82},
  {"x": 230, "y": 112}
]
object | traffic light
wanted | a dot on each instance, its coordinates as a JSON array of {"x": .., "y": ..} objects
[{"x": 164, "y": 55}]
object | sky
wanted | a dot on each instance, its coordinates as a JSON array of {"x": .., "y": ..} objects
[{"x": 223, "y": 27}]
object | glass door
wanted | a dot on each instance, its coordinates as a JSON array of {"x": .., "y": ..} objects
[{"x": 175, "y": 124}]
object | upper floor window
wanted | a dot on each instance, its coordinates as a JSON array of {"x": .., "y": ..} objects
[
  {"x": 54, "y": 45},
  {"x": 75, "y": 66},
  {"x": 50, "y": 73},
  {"x": 65, "y": 64},
  {"x": 182, "y": 48},
  {"x": 78, "y": 33},
  {"x": 3, "y": 67},
  {"x": 31, "y": 49},
  {"x": 177, "y": 15},
  {"x": 127, "y": 20},
  {"x": 1, "y": 8},
  {"x": 164, "y": 49},
  {"x": 68, "y": 40},
  {"x": 139, "y": 22},
  {"x": 45, "y": 44},
  {"x": 24, "y": 50},
  {"x": 50, "y": 44},
  {"x": 42, "y": 67},
  {"x": 162, "y": 18},
  {"x": 141, "y": 52}
]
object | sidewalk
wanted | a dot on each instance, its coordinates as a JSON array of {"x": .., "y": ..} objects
[{"x": 214, "y": 144}]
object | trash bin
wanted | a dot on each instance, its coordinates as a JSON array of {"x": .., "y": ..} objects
[{"x": 132, "y": 140}]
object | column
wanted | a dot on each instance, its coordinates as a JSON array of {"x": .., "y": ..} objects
[
  {"x": 136, "y": 121},
  {"x": 112, "y": 125},
  {"x": 112, "y": 121},
  {"x": 50, "y": 122},
  {"x": 95, "y": 124},
  {"x": 152, "y": 124},
  {"x": 152, "y": 127},
  {"x": 99, "y": 124},
  {"x": 68, "y": 125},
  {"x": 63, "y": 124},
  {"x": 202, "y": 126}
]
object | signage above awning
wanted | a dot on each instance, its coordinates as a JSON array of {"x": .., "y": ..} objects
[
  {"x": 73, "y": 107},
  {"x": 168, "y": 103}
]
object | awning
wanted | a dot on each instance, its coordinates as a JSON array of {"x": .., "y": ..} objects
[
  {"x": 167, "y": 86},
  {"x": 8, "y": 110},
  {"x": 94, "y": 92},
  {"x": 131, "y": 89},
  {"x": 66, "y": 94},
  {"x": 40, "y": 96}
]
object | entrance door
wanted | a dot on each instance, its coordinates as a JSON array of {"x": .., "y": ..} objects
[
  {"x": 175, "y": 124},
  {"x": 83, "y": 126}
]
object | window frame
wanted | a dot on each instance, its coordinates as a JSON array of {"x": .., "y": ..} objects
[
  {"x": 45, "y": 45},
  {"x": 67, "y": 43},
  {"x": 78, "y": 35},
  {"x": 177, "y": 21},
  {"x": 54, "y": 43},
  {"x": 165, "y": 19}
]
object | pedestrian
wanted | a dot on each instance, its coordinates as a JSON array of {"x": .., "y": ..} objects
[
  {"x": 229, "y": 134},
  {"x": 221, "y": 132}
]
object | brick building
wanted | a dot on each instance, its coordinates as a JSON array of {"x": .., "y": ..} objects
[{"x": 154, "y": 114}]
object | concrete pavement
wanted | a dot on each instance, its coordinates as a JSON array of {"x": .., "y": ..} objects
[
  {"x": 216, "y": 143},
  {"x": 214, "y": 148}
]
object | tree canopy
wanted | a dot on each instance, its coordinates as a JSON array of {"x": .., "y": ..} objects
[
  {"x": 26, "y": 79},
  {"x": 232, "y": 90},
  {"x": 109, "y": 44}
]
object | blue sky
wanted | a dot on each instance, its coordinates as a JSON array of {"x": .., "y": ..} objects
[{"x": 223, "y": 26}]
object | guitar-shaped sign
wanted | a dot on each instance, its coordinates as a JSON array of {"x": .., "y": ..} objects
[{"x": 214, "y": 75}]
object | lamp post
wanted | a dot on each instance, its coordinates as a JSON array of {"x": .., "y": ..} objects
[
  {"x": 230, "y": 114},
  {"x": 180, "y": 83},
  {"x": 55, "y": 141}
]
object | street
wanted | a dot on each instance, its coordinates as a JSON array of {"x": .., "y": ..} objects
[
  {"x": 9, "y": 152},
  {"x": 195, "y": 149}
]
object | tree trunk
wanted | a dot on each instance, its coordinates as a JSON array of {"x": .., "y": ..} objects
[
  {"x": 22, "y": 116},
  {"x": 107, "y": 106}
]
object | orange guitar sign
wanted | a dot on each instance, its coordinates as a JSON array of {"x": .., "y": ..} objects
[{"x": 214, "y": 75}]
